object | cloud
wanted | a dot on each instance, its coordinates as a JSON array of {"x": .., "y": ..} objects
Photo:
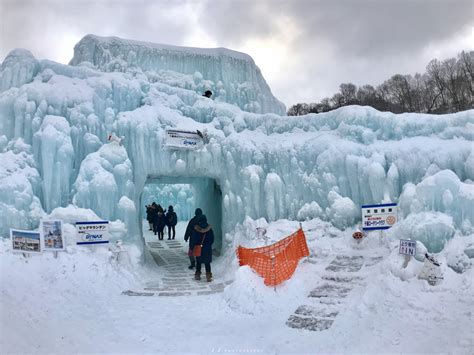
[{"x": 38, "y": 25}]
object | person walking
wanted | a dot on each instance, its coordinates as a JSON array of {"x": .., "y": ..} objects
[
  {"x": 149, "y": 216},
  {"x": 160, "y": 222},
  {"x": 154, "y": 217},
  {"x": 171, "y": 221},
  {"x": 187, "y": 236},
  {"x": 203, "y": 235}
]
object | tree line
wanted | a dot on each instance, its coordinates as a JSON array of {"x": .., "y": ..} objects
[{"x": 446, "y": 86}]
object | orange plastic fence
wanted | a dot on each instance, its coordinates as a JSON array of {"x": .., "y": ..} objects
[{"x": 277, "y": 262}]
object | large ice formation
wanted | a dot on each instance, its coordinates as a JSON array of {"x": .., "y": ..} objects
[
  {"x": 231, "y": 75},
  {"x": 54, "y": 122}
]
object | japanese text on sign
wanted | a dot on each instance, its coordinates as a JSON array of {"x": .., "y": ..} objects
[
  {"x": 379, "y": 216},
  {"x": 182, "y": 139},
  {"x": 92, "y": 232},
  {"x": 407, "y": 247}
]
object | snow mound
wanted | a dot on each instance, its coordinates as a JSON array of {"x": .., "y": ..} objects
[
  {"x": 342, "y": 212},
  {"x": 247, "y": 293},
  {"x": 433, "y": 229},
  {"x": 443, "y": 192}
]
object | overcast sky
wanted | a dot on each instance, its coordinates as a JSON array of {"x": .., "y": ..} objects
[{"x": 305, "y": 48}]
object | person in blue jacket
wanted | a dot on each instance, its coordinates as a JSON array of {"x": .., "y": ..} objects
[{"x": 203, "y": 235}]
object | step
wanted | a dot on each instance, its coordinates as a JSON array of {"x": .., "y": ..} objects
[{"x": 309, "y": 323}]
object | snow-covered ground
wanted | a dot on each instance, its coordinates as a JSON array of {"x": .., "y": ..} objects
[{"x": 74, "y": 304}]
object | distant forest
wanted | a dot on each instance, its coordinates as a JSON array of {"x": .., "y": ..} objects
[{"x": 446, "y": 86}]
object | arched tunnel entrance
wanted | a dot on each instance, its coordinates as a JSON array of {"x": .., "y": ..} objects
[{"x": 185, "y": 194}]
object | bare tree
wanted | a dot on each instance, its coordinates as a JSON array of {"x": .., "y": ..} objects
[{"x": 446, "y": 86}]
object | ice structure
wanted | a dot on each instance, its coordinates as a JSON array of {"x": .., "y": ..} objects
[
  {"x": 54, "y": 122},
  {"x": 232, "y": 76}
]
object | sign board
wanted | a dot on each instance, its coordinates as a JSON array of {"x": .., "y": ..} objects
[
  {"x": 92, "y": 232},
  {"x": 175, "y": 138},
  {"x": 379, "y": 216},
  {"x": 25, "y": 241},
  {"x": 52, "y": 233},
  {"x": 407, "y": 247}
]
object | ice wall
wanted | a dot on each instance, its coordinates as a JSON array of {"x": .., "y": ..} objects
[
  {"x": 20, "y": 184},
  {"x": 265, "y": 165},
  {"x": 232, "y": 76}
]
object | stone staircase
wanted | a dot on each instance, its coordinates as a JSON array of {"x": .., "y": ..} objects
[
  {"x": 326, "y": 300},
  {"x": 176, "y": 279}
]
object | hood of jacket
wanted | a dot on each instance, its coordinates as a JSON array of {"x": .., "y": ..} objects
[{"x": 202, "y": 230}]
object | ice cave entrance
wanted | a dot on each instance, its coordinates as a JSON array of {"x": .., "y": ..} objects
[{"x": 185, "y": 194}]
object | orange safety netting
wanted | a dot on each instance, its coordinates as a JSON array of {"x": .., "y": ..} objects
[{"x": 277, "y": 262}]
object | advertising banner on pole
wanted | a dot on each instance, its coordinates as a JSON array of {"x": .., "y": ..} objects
[
  {"x": 379, "y": 216},
  {"x": 52, "y": 232},
  {"x": 25, "y": 241},
  {"x": 92, "y": 232},
  {"x": 180, "y": 139}
]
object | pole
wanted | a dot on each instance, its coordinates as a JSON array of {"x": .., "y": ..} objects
[{"x": 407, "y": 260}]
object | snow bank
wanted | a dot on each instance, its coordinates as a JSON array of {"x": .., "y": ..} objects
[{"x": 433, "y": 229}]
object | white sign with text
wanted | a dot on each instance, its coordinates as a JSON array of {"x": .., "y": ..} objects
[
  {"x": 92, "y": 232},
  {"x": 407, "y": 247},
  {"x": 382, "y": 216},
  {"x": 175, "y": 138}
]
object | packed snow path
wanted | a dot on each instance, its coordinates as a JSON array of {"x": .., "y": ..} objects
[
  {"x": 175, "y": 277},
  {"x": 326, "y": 301}
]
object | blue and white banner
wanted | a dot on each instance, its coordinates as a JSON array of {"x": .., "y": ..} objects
[
  {"x": 92, "y": 232},
  {"x": 379, "y": 216}
]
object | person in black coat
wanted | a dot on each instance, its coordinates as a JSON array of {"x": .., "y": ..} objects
[
  {"x": 171, "y": 221},
  {"x": 149, "y": 216},
  {"x": 187, "y": 236},
  {"x": 203, "y": 235},
  {"x": 159, "y": 222},
  {"x": 153, "y": 216}
]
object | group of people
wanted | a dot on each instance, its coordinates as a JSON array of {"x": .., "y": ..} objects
[{"x": 158, "y": 219}]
